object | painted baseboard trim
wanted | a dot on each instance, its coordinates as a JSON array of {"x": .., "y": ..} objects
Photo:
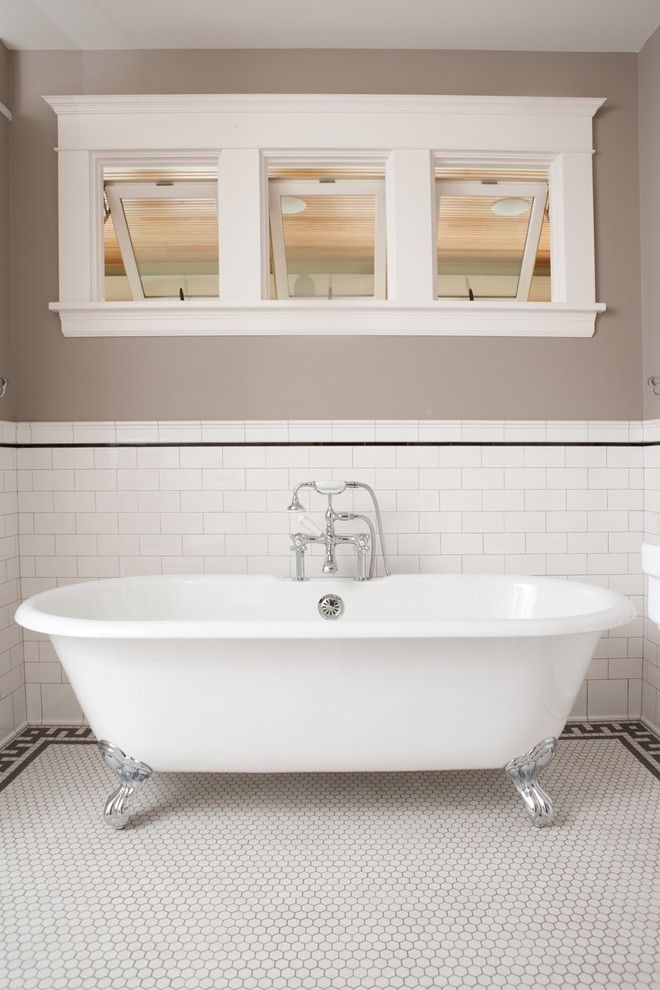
[
  {"x": 8, "y": 739},
  {"x": 652, "y": 726}
]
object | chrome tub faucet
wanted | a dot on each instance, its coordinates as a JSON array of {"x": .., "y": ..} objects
[{"x": 364, "y": 544}]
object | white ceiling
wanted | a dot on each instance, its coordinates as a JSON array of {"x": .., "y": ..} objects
[{"x": 499, "y": 25}]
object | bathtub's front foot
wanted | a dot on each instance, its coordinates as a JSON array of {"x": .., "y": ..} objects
[
  {"x": 131, "y": 774},
  {"x": 524, "y": 771}
]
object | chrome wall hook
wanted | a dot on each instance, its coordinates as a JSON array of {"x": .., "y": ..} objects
[
  {"x": 4, "y": 385},
  {"x": 654, "y": 384}
]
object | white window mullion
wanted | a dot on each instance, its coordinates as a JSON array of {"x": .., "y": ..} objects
[
  {"x": 78, "y": 216},
  {"x": 572, "y": 216},
  {"x": 411, "y": 262},
  {"x": 241, "y": 220}
]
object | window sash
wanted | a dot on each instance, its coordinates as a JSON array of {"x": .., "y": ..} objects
[
  {"x": 277, "y": 188},
  {"x": 537, "y": 191},
  {"x": 116, "y": 192}
]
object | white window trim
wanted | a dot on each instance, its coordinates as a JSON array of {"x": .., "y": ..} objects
[
  {"x": 277, "y": 188},
  {"x": 411, "y": 134},
  {"x": 117, "y": 191}
]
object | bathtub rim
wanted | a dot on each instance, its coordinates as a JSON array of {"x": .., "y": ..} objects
[{"x": 617, "y": 611}]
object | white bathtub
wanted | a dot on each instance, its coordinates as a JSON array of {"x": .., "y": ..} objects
[{"x": 422, "y": 672}]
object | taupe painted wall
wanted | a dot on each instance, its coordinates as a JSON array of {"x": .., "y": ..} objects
[
  {"x": 7, "y": 403},
  {"x": 272, "y": 378},
  {"x": 649, "y": 192}
]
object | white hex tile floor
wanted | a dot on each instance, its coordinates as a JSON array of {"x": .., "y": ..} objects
[{"x": 259, "y": 882}]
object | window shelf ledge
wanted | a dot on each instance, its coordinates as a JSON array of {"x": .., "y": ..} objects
[{"x": 448, "y": 318}]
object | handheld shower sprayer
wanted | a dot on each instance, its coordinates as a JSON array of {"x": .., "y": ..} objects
[{"x": 330, "y": 487}]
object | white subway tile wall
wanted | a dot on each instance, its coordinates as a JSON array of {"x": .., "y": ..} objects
[
  {"x": 651, "y": 647},
  {"x": 320, "y": 431},
  {"x": 12, "y": 672},
  {"x": 88, "y": 513}
]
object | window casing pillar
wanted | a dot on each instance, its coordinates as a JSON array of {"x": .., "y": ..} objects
[
  {"x": 242, "y": 226},
  {"x": 410, "y": 202}
]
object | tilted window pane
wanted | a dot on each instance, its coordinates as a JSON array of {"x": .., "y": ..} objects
[
  {"x": 117, "y": 288},
  {"x": 160, "y": 231},
  {"x": 479, "y": 249},
  {"x": 493, "y": 233},
  {"x": 539, "y": 290},
  {"x": 175, "y": 243}
]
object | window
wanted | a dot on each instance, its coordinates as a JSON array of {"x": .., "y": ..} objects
[
  {"x": 493, "y": 235},
  {"x": 379, "y": 215},
  {"x": 327, "y": 233},
  {"x": 160, "y": 233}
]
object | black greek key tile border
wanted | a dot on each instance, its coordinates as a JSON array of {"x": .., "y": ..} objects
[
  {"x": 20, "y": 751},
  {"x": 637, "y": 737}
]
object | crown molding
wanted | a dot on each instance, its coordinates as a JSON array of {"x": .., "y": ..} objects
[{"x": 565, "y": 106}]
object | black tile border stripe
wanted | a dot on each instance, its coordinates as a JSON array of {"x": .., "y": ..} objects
[
  {"x": 19, "y": 752},
  {"x": 348, "y": 443},
  {"x": 639, "y": 739}
]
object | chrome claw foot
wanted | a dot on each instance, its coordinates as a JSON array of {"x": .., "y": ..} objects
[
  {"x": 524, "y": 772},
  {"x": 131, "y": 774}
]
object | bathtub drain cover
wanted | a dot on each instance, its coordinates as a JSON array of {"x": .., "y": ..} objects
[{"x": 331, "y": 607}]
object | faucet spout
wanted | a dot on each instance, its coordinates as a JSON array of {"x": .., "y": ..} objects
[{"x": 295, "y": 504}]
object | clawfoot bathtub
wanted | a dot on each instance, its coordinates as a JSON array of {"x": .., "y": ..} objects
[{"x": 416, "y": 672}]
